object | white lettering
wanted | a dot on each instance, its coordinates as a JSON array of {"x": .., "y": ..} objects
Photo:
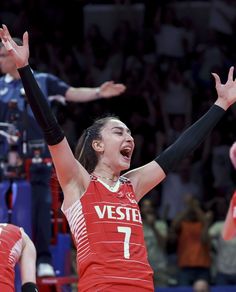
[
  {"x": 135, "y": 215},
  {"x": 128, "y": 213},
  {"x": 111, "y": 212},
  {"x": 100, "y": 213},
  {"x": 118, "y": 213}
]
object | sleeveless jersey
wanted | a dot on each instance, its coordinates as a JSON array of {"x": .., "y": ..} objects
[
  {"x": 107, "y": 230},
  {"x": 11, "y": 244}
]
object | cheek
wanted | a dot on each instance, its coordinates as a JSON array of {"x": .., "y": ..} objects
[
  {"x": 112, "y": 150},
  {"x": 5, "y": 64}
]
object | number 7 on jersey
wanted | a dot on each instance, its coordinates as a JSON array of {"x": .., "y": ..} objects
[{"x": 127, "y": 232}]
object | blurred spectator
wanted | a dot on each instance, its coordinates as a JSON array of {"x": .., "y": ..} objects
[
  {"x": 221, "y": 169},
  {"x": 170, "y": 36},
  {"x": 190, "y": 35},
  {"x": 176, "y": 96},
  {"x": 155, "y": 235},
  {"x": 222, "y": 20},
  {"x": 210, "y": 57},
  {"x": 191, "y": 227},
  {"x": 176, "y": 187}
]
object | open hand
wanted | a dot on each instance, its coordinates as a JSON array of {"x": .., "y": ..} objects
[
  {"x": 109, "y": 89},
  {"x": 20, "y": 54},
  {"x": 226, "y": 92}
]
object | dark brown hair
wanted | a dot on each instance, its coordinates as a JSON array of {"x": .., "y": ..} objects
[{"x": 84, "y": 151}]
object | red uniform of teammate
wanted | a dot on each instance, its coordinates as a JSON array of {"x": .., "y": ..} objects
[
  {"x": 16, "y": 246},
  {"x": 11, "y": 245}
]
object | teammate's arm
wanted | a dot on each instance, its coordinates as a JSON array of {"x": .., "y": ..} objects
[{"x": 28, "y": 265}]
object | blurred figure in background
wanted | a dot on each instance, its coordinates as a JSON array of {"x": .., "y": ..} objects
[
  {"x": 191, "y": 227},
  {"x": 175, "y": 188},
  {"x": 155, "y": 235}
]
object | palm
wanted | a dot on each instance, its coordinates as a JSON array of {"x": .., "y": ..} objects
[
  {"x": 20, "y": 54},
  {"x": 227, "y": 91},
  {"x": 110, "y": 88}
]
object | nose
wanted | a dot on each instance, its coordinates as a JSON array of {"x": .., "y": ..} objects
[{"x": 129, "y": 137}]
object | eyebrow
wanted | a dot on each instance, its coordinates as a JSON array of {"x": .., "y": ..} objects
[{"x": 121, "y": 128}]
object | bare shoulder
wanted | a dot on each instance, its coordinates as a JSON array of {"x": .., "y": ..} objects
[{"x": 145, "y": 178}]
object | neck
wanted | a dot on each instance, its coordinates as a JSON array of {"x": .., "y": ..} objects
[
  {"x": 107, "y": 178},
  {"x": 14, "y": 74},
  {"x": 106, "y": 174}
]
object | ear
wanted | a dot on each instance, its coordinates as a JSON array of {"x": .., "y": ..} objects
[{"x": 98, "y": 146}]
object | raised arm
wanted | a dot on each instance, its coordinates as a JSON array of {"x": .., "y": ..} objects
[
  {"x": 69, "y": 170},
  {"x": 148, "y": 176},
  {"x": 83, "y": 94}
]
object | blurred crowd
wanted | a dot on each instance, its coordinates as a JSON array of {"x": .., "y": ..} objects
[{"x": 167, "y": 69}]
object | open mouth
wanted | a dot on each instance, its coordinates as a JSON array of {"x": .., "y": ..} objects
[{"x": 126, "y": 152}]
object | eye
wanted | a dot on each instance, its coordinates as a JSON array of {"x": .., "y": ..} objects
[{"x": 119, "y": 133}]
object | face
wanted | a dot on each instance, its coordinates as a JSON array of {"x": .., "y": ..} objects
[
  {"x": 116, "y": 146},
  {"x": 7, "y": 65},
  {"x": 200, "y": 286}
]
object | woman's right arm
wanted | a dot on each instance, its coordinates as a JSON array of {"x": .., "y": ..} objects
[{"x": 69, "y": 171}]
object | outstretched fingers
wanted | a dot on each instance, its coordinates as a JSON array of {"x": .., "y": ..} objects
[
  {"x": 230, "y": 76},
  {"x": 6, "y": 34},
  {"x": 231, "y": 73},
  {"x": 6, "y": 31},
  {"x": 25, "y": 39},
  {"x": 6, "y": 38},
  {"x": 217, "y": 79},
  {"x": 2, "y": 35}
]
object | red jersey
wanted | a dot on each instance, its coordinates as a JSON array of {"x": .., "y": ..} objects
[
  {"x": 229, "y": 229},
  {"x": 11, "y": 244},
  {"x": 108, "y": 233}
]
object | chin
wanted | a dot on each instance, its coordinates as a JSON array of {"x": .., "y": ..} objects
[{"x": 125, "y": 166}]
